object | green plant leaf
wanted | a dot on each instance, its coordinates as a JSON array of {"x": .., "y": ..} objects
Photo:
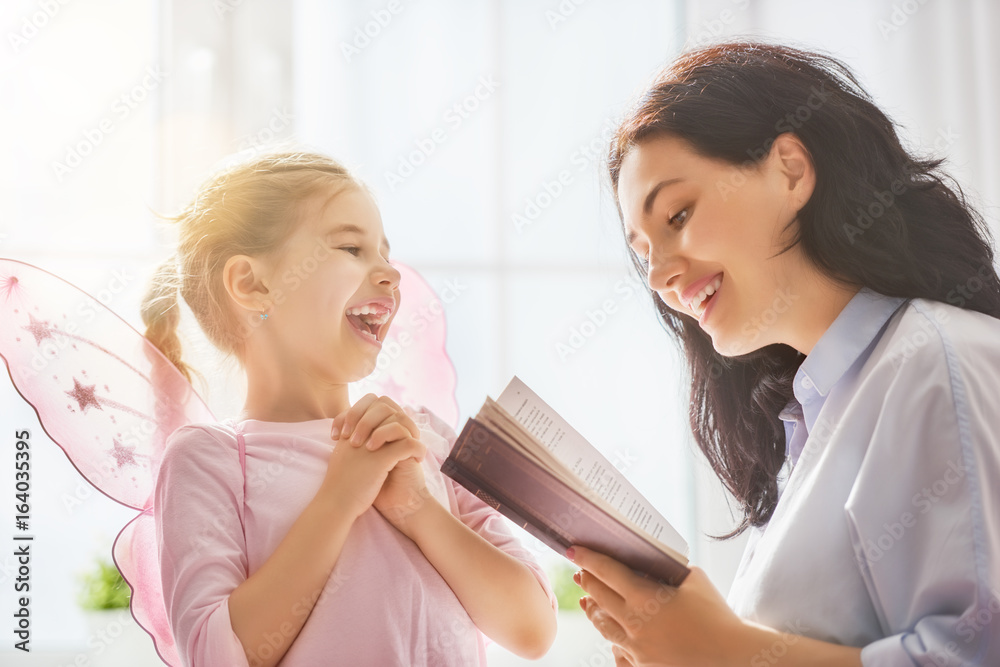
[
  {"x": 103, "y": 588},
  {"x": 567, "y": 592}
]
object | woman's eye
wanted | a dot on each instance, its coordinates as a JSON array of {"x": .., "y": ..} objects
[
  {"x": 354, "y": 250},
  {"x": 680, "y": 218}
]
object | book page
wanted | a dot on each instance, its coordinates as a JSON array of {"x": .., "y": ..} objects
[{"x": 572, "y": 450}]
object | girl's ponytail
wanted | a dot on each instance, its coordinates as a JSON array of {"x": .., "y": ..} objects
[{"x": 161, "y": 313}]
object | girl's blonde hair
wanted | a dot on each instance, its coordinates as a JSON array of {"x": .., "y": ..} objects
[{"x": 248, "y": 209}]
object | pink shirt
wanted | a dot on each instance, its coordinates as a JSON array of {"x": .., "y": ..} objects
[{"x": 384, "y": 603}]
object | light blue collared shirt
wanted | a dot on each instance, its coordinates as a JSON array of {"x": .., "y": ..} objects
[{"x": 887, "y": 530}]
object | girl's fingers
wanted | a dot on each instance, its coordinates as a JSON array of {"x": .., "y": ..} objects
[
  {"x": 398, "y": 450},
  {"x": 402, "y": 417},
  {"x": 344, "y": 423},
  {"x": 376, "y": 413},
  {"x": 605, "y": 596},
  {"x": 388, "y": 431},
  {"x": 371, "y": 411}
]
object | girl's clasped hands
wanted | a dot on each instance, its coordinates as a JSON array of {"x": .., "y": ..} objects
[{"x": 376, "y": 460}]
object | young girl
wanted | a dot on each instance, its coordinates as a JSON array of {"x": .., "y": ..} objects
[
  {"x": 296, "y": 546},
  {"x": 838, "y": 305}
]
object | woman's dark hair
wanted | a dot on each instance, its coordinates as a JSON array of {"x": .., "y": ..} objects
[{"x": 878, "y": 217}]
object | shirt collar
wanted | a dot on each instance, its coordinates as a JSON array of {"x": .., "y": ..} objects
[
  {"x": 854, "y": 330},
  {"x": 839, "y": 347}
]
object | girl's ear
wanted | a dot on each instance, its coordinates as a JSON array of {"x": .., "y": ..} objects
[
  {"x": 796, "y": 168},
  {"x": 243, "y": 278}
]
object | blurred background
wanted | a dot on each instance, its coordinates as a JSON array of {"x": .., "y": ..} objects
[{"x": 481, "y": 126}]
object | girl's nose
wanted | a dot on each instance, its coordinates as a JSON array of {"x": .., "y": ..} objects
[{"x": 387, "y": 274}]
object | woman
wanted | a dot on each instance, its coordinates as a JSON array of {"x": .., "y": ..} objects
[{"x": 838, "y": 306}]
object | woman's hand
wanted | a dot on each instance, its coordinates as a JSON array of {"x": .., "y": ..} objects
[
  {"x": 652, "y": 623},
  {"x": 377, "y": 422},
  {"x": 655, "y": 624}
]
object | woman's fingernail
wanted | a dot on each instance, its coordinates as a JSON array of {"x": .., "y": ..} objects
[
  {"x": 335, "y": 433},
  {"x": 577, "y": 578},
  {"x": 583, "y": 604},
  {"x": 570, "y": 553}
]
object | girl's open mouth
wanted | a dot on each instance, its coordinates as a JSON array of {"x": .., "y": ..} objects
[{"x": 370, "y": 321}]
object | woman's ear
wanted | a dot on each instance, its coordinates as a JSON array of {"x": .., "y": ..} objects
[
  {"x": 244, "y": 279},
  {"x": 795, "y": 167}
]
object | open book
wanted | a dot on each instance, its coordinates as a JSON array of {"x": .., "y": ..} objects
[{"x": 519, "y": 456}]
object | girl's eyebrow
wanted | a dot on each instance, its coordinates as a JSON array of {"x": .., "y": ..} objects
[{"x": 348, "y": 228}]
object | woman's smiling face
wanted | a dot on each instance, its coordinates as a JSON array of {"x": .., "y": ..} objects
[{"x": 699, "y": 224}]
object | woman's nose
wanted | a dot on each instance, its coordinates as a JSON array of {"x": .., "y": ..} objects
[{"x": 661, "y": 276}]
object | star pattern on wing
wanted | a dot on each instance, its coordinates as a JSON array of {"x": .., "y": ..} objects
[
  {"x": 85, "y": 396},
  {"x": 123, "y": 455},
  {"x": 39, "y": 329}
]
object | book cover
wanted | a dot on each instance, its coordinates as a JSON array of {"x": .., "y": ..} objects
[{"x": 559, "y": 488}]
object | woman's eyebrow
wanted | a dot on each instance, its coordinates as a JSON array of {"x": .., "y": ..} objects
[{"x": 647, "y": 206}]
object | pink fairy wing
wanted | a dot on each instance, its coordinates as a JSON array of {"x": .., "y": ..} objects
[
  {"x": 109, "y": 399},
  {"x": 135, "y": 553},
  {"x": 102, "y": 392},
  {"x": 413, "y": 367}
]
